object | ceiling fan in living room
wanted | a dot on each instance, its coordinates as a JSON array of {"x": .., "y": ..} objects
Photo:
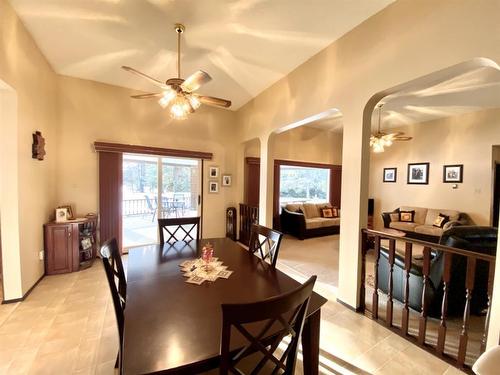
[
  {"x": 178, "y": 92},
  {"x": 380, "y": 140}
]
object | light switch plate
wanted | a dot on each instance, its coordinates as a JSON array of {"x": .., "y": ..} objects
[{"x": 40, "y": 254}]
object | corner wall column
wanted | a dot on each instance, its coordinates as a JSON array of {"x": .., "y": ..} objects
[
  {"x": 9, "y": 195},
  {"x": 354, "y": 213},
  {"x": 266, "y": 181}
]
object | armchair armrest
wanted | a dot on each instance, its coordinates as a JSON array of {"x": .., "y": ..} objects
[
  {"x": 293, "y": 223},
  {"x": 386, "y": 217}
]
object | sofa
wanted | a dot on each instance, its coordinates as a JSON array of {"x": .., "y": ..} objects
[
  {"x": 304, "y": 220},
  {"x": 473, "y": 238},
  {"x": 422, "y": 225}
]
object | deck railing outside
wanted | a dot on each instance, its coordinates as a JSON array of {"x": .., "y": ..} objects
[{"x": 371, "y": 239}]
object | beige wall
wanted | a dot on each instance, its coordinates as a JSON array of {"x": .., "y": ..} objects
[
  {"x": 303, "y": 144},
  {"x": 91, "y": 111},
  {"x": 28, "y": 73},
  {"x": 465, "y": 139}
]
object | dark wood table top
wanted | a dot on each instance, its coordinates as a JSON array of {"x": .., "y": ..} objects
[{"x": 174, "y": 326}]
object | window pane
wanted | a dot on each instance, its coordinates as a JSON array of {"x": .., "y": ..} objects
[{"x": 302, "y": 184}]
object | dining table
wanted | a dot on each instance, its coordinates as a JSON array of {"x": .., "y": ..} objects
[{"x": 174, "y": 327}]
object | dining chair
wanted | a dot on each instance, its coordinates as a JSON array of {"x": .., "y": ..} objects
[
  {"x": 279, "y": 317},
  {"x": 179, "y": 229},
  {"x": 115, "y": 275},
  {"x": 269, "y": 247}
]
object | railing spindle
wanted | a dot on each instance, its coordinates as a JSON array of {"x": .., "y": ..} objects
[
  {"x": 390, "y": 287},
  {"x": 364, "y": 249},
  {"x": 406, "y": 298},
  {"x": 375, "y": 281},
  {"x": 464, "y": 334},
  {"x": 422, "y": 327},
  {"x": 444, "y": 304},
  {"x": 491, "y": 275}
]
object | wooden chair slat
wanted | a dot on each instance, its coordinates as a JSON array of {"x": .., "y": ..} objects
[
  {"x": 177, "y": 225},
  {"x": 270, "y": 311}
]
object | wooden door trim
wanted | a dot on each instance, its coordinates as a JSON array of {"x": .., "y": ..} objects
[
  {"x": 276, "y": 179},
  {"x": 147, "y": 150}
]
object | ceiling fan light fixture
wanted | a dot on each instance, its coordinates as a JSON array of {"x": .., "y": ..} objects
[
  {"x": 168, "y": 96},
  {"x": 180, "y": 108},
  {"x": 195, "y": 102},
  {"x": 378, "y": 146}
]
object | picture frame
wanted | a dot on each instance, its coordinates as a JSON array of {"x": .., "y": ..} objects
[
  {"x": 453, "y": 173},
  {"x": 213, "y": 172},
  {"x": 390, "y": 174},
  {"x": 61, "y": 215},
  {"x": 70, "y": 215},
  {"x": 213, "y": 187},
  {"x": 418, "y": 173},
  {"x": 227, "y": 180}
]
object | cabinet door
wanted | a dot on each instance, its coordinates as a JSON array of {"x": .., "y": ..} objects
[{"x": 59, "y": 249}]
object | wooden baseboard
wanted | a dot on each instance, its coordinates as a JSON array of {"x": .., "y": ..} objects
[{"x": 14, "y": 300}]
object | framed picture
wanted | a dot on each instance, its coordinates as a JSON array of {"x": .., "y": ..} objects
[
  {"x": 213, "y": 172},
  {"x": 390, "y": 174},
  {"x": 61, "y": 214},
  {"x": 453, "y": 173},
  {"x": 68, "y": 207},
  {"x": 418, "y": 173},
  {"x": 213, "y": 187},
  {"x": 227, "y": 180}
]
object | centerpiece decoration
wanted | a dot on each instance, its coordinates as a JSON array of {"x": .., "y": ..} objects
[{"x": 206, "y": 268}]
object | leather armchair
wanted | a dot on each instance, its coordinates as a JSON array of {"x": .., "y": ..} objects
[
  {"x": 293, "y": 222},
  {"x": 472, "y": 238}
]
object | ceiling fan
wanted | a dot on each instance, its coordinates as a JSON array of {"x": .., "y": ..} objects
[
  {"x": 180, "y": 92},
  {"x": 379, "y": 140}
]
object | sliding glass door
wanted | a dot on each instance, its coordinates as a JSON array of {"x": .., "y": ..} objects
[{"x": 157, "y": 187}]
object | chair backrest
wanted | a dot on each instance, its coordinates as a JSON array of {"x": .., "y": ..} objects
[
  {"x": 148, "y": 202},
  {"x": 279, "y": 317},
  {"x": 179, "y": 229},
  {"x": 115, "y": 274},
  {"x": 269, "y": 246}
]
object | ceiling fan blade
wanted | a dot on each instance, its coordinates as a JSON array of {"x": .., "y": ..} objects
[
  {"x": 154, "y": 81},
  {"x": 147, "y": 96},
  {"x": 401, "y": 138},
  {"x": 195, "y": 81},
  {"x": 218, "y": 102}
]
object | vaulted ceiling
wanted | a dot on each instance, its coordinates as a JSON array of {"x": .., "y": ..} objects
[{"x": 245, "y": 45}]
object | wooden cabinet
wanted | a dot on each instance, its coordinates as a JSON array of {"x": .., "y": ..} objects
[{"x": 70, "y": 246}]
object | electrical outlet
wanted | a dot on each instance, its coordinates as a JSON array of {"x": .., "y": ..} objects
[{"x": 40, "y": 254}]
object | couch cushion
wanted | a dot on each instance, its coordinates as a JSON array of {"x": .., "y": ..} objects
[
  {"x": 409, "y": 227},
  {"x": 294, "y": 207},
  {"x": 321, "y": 222},
  {"x": 420, "y": 213},
  {"x": 314, "y": 223},
  {"x": 429, "y": 230},
  {"x": 432, "y": 214},
  {"x": 311, "y": 210},
  {"x": 327, "y": 222}
]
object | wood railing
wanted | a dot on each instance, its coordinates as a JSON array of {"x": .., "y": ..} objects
[
  {"x": 248, "y": 215},
  {"x": 457, "y": 354}
]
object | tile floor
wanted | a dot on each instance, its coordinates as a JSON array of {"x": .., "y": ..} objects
[{"x": 67, "y": 325}]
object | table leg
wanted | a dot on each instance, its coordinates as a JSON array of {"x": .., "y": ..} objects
[{"x": 310, "y": 344}]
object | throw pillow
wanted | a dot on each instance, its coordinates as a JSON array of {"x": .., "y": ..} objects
[
  {"x": 406, "y": 216},
  {"x": 327, "y": 212},
  {"x": 441, "y": 220},
  {"x": 336, "y": 212},
  {"x": 394, "y": 216}
]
